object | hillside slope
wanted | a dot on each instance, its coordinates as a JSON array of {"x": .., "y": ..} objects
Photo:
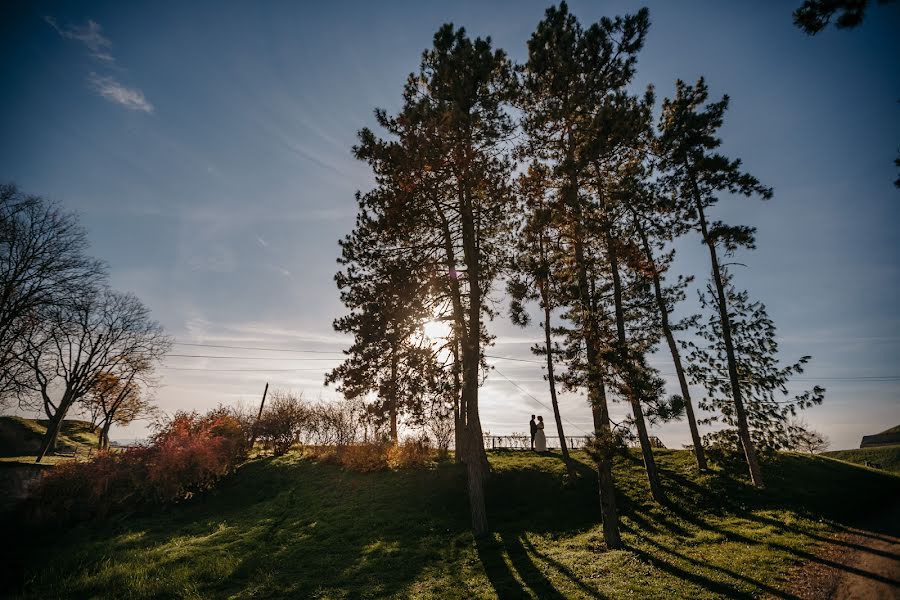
[
  {"x": 22, "y": 437},
  {"x": 883, "y": 457},
  {"x": 290, "y": 527}
]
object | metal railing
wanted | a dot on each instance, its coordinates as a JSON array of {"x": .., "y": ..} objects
[{"x": 523, "y": 442}]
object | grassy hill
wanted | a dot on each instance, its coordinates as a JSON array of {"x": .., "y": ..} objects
[
  {"x": 886, "y": 457},
  {"x": 21, "y": 437},
  {"x": 291, "y": 527}
]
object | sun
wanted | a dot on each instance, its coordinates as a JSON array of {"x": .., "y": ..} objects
[{"x": 436, "y": 330}]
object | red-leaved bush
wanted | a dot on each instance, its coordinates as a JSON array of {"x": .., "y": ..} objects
[{"x": 187, "y": 454}]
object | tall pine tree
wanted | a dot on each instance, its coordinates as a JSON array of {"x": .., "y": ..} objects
[{"x": 696, "y": 175}]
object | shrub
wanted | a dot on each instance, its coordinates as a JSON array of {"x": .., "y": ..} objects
[
  {"x": 282, "y": 422},
  {"x": 413, "y": 452},
  {"x": 377, "y": 456},
  {"x": 441, "y": 429},
  {"x": 187, "y": 454},
  {"x": 363, "y": 458}
]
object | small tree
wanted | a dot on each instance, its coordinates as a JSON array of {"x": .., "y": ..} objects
[
  {"x": 113, "y": 401},
  {"x": 532, "y": 279},
  {"x": 768, "y": 406},
  {"x": 808, "y": 440}
]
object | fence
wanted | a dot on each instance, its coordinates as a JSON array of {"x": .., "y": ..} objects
[{"x": 523, "y": 442}]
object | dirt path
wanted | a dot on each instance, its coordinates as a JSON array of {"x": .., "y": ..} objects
[{"x": 862, "y": 564}]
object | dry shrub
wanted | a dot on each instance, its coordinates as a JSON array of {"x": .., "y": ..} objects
[
  {"x": 376, "y": 456},
  {"x": 364, "y": 458},
  {"x": 188, "y": 454},
  {"x": 413, "y": 452}
]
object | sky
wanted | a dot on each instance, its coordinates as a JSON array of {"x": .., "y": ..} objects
[{"x": 206, "y": 148}]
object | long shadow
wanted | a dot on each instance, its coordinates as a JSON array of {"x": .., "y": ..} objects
[
  {"x": 504, "y": 582},
  {"x": 528, "y": 571},
  {"x": 830, "y": 540},
  {"x": 564, "y": 570},
  {"x": 734, "y": 536},
  {"x": 707, "y": 565},
  {"x": 708, "y": 584}
]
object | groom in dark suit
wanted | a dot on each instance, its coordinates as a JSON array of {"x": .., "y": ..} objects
[{"x": 533, "y": 426}]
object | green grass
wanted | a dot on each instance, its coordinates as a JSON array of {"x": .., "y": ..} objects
[
  {"x": 20, "y": 438},
  {"x": 886, "y": 457},
  {"x": 291, "y": 527}
]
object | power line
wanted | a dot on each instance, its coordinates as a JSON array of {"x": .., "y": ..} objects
[
  {"x": 525, "y": 360},
  {"x": 870, "y": 378},
  {"x": 521, "y": 389},
  {"x": 875, "y": 378},
  {"x": 247, "y": 357},
  {"x": 258, "y": 348},
  {"x": 240, "y": 370}
]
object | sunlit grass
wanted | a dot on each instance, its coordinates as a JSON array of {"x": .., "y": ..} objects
[{"x": 291, "y": 527}]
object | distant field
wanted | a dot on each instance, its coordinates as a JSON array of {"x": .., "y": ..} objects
[
  {"x": 20, "y": 438},
  {"x": 291, "y": 527},
  {"x": 886, "y": 457}
]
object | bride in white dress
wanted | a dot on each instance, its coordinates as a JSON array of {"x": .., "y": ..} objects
[{"x": 540, "y": 440}]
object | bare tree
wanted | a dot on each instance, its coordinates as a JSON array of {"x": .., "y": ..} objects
[
  {"x": 73, "y": 346},
  {"x": 43, "y": 265},
  {"x": 806, "y": 439}
]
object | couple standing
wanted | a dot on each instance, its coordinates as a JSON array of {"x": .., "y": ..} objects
[{"x": 538, "y": 439}]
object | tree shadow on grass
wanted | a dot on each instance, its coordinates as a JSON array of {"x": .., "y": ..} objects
[
  {"x": 530, "y": 582},
  {"x": 275, "y": 530},
  {"x": 732, "y": 535},
  {"x": 669, "y": 556},
  {"x": 563, "y": 569}
]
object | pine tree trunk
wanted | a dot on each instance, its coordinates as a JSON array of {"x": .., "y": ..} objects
[
  {"x": 644, "y": 438},
  {"x": 699, "y": 453},
  {"x": 596, "y": 389},
  {"x": 475, "y": 456},
  {"x": 608, "y": 510},
  {"x": 739, "y": 411},
  {"x": 393, "y": 400},
  {"x": 548, "y": 342}
]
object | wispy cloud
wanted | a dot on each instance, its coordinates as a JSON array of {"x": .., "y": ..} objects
[
  {"x": 90, "y": 34},
  {"x": 280, "y": 269},
  {"x": 118, "y": 93}
]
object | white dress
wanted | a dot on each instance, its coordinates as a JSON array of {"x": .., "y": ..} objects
[{"x": 540, "y": 440}]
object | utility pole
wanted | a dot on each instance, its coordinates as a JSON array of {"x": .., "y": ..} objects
[{"x": 258, "y": 416}]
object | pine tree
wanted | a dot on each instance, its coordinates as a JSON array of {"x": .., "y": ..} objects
[
  {"x": 389, "y": 300},
  {"x": 656, "y": 224},
  {"x": 619, "y": 126},
  {"x": 695, "y": 174},
  {"x": 569, "y": 75},
  {"x": 450, "y": 204},
  {"x": 533, "y": 279},
  {"x": 768, "y": 406}
]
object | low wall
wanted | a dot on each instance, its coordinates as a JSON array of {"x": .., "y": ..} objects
[{"x": 17, "y": 481}]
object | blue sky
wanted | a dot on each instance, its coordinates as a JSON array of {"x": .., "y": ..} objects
[{"x": 206, "y": 146}]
